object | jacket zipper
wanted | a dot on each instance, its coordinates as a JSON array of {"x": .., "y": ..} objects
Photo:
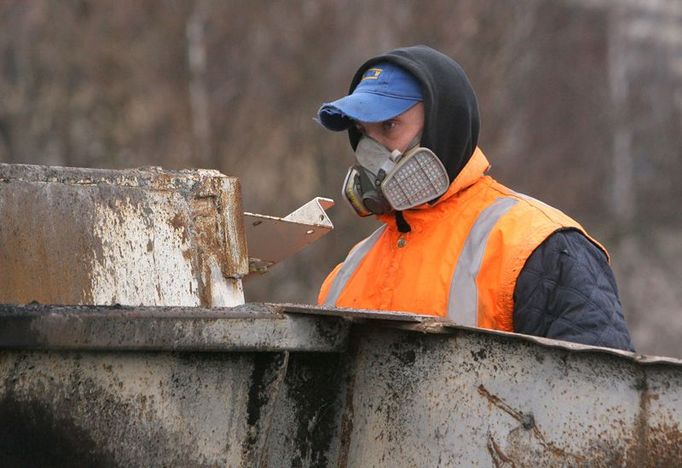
[{"x": 387, "y": 294}]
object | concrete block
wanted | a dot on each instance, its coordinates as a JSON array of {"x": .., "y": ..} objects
[{"x": 131, "y": 237}]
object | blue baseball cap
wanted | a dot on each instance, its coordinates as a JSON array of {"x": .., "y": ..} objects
[{"x": 385, "y": 91}]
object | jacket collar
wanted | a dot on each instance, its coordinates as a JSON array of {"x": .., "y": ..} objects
[
  {"x": 473, "y": 171},
  {"x": 476, "y": 168}
]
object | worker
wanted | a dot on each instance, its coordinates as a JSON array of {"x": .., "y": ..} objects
[{"x": 454, "y": 242}]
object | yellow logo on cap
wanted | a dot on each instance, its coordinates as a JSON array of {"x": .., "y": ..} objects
[{"x": 372, "y": 74}]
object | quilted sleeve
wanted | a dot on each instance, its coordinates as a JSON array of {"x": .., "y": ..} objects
[{"x": 567, "y": 291}]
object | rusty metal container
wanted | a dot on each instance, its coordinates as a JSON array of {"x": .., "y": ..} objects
[
  {"x": 101, "y": 380},
  {"x": 283, "y": 385}
]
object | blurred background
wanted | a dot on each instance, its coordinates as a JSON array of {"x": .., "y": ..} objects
[{"x": 581, "y": 104}]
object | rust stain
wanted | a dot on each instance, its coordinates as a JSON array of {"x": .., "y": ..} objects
[
  {"x": 179, "y": 223},
  {"x": 162, "y": 180},
  {"x": 235, "y": 235},
  {"x": 660, "y": 445},
  {"x": 528, "y": 423},
  {"x": 32, "y": 248},
  {"x": 218, "y": 231},
  {"x": 663, "y": 446},
  {"x": 639, "y": 449},
  {"x": 497, "y": 401},
  {"x": 206, "y": 241},
  {"x": 497, "y": 455}
]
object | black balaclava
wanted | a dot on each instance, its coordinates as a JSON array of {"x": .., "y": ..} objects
[{"x": 451, "y": 120}]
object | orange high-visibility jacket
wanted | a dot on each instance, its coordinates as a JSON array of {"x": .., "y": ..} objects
[{"x": 461, "y": 259}]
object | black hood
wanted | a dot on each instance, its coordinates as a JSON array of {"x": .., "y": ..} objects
[{"x": 451, "y": 120}]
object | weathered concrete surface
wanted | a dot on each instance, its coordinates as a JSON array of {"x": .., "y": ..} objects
[
  {"x": 412, "y": 392},
  {"x": 133, "y": 237}
]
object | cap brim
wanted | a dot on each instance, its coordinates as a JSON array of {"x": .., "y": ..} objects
[{"x": 362, "y": 107}]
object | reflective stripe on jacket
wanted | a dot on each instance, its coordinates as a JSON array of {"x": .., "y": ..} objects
[{"x": 461, "y": 259}]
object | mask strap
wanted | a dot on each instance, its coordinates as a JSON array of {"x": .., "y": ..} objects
[{"x": 401, "y": 222}]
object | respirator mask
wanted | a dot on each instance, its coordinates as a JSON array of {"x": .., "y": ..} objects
[{"x": 385, "y": 181}]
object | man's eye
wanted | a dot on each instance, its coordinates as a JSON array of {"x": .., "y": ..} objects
[{"x": 389, "y": 125}]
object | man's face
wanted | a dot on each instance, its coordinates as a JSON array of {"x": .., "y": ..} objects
[{"x": 398, "y": 132}]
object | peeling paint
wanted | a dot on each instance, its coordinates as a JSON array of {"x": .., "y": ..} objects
[
  {"x": 127, "y": 272},
  {"x": 225, "y": 292}
]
